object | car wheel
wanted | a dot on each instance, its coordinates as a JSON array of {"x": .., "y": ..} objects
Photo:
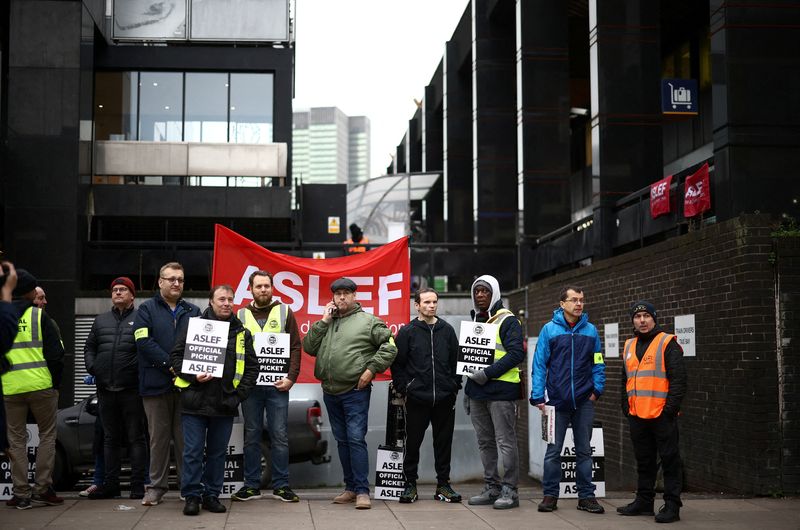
[
  {"x": 63, "y": 478},
  {"x": 266, "y": 465}
]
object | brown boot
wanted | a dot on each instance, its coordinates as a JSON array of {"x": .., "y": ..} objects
[
  {"x": 362, "y": 502},
  {"x": 345, "y": 497}
]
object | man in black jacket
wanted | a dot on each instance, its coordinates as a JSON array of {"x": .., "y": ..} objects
[
  {"x": 110, "y": 356},
  {"x": 425, "y": 372},
  {"x": 653, "y": 385},
  {"x": 210, "y": 403}
]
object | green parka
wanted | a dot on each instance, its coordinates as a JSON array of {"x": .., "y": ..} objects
[{"x": 347, "y": 346}]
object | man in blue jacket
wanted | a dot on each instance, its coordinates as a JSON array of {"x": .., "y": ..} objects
[
  {"x": 155, "y": 330},
  {"x": 491, "y": 396},
  {"x": 569, "y": 374}
]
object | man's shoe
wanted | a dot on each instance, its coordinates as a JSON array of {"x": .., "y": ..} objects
[
  {"x": 669, "y": 513},
  {"x": 637, "y": 507},
  {"x": 363, "y": 502},
  {"x": 548, "y": 504},
  {"x": 345, "y": 497},
  {"x": 104, "y": 492},
  {"x": 445, "y": 493},
  {"x": 246, "y": 494},
  {"x": 590, "y": 505},
  {"x": 20, "y": 503},
  {"x": 487, "y": 496},
  {"x": 192, "y": 506},
  {"x": 48, "y": 498},
  {"x": 409, "y": 494},
  {"x": 213, "y": 505},
  {"x": 87, "y": 491},
  {"x": 508, "y": 499},
  {"x": 285, "y": 494},
  {"x": 152, "y": 497},
  {"x": 136, "y": 494}
]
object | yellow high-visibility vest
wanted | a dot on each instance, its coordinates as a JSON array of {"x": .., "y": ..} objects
[
  {"x": 512, "y": 375},
  {"x": 28, "y": 371}
]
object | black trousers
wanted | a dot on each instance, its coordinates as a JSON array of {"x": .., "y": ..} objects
[
  {"x": 122, "y": 414},
  {"x": 442, "y": 416},
  {"x": 652, "y": 439}
]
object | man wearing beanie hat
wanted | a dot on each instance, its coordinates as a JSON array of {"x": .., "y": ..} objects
[
  {"x": 653, "y": 386},
  {"x": 30, "y": 384},
  {"x": 351, "y": 347},
  {"x": 110, "y": 356}
]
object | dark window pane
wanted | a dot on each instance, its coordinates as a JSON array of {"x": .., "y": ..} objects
[
  {"x": 251, "y": 109},
  {"x": 206, "y": 108},
  {"x": 160, "y": 98},
  {"x": 115, "y": 106}
]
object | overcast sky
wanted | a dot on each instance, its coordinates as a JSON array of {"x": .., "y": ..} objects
[{"x": 371, "y": 58}]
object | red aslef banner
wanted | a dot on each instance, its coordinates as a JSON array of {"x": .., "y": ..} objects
[
  {"x": 382, "y": 276},
  {"x": 659, "y": 197},
  {"x": 697, "y": 193}
]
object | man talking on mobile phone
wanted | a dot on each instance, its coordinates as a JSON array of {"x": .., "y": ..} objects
[{"x": 351, "y": 347}]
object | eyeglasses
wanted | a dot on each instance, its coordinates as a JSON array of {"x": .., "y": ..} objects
[
  {"x": 119, "y": 290},
  {"x": 179, "y": 281},
  {"x": 576, "y": 301}
]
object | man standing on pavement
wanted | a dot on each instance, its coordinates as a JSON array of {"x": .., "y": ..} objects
[
  {"x": 424, "y": 371},
  {"x": 653, "y": 386},
  {"x": 210, "y": 404},
  {"x": 264, "y": 315},
  {"x": 36, "y": 360},
  {"x": 569, "y": 374},
  {"x": 155, "y": 330},
  {"x": 351, "y": 347},
  {"x": 9, "y": 316},
  {"x": 110, "y": 356},
  {"x": 491, "y": 396}
]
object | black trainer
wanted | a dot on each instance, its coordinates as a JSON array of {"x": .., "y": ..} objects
[
  {"x": 669, "y": 513},
  {"x": 637, "y": 507},
  {"x": 285, "y": 494},
  {"x": 213, "y": 505},
  {"x": 192, "y": 506},
  {"x": 445, "y": 493},
  {"x": 409, "y": 494},
  {"x": 590, "y": 505}
]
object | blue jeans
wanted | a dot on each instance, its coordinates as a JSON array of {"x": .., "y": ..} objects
[
  {"x": 581, "y": 420},
  {"x": 209, "y": 434},
  {"x": 276, "y": 404},
  {"x": 348, "y": 413}
]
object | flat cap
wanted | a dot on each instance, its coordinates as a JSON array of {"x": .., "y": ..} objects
[{"x": 343, "y": 283}]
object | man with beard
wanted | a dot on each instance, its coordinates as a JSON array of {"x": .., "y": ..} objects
[
  {"x": 653, "y": 386},
  {"x": 264, "y": 315}
]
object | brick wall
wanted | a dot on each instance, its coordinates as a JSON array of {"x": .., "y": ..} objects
[
  {"x": 724, "y": 274},
  {"x": 787, "y": 262}
]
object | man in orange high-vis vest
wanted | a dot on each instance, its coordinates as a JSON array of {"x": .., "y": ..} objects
[{"x": 653, "y": 386}]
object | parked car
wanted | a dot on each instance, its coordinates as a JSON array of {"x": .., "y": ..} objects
[{"x": 75, "y": 434}]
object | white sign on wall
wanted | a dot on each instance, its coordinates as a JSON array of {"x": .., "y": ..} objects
[
  {"x": 685, "y": 331},
  {"x": 611, "y": 339},
  {"x": 568, "y": 487}
]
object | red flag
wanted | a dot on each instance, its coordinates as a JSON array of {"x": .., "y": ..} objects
[
  {"x": 697, "y": 193},
  {"x": 659, "y": 197},
  {"x": 382, "y": 276}
]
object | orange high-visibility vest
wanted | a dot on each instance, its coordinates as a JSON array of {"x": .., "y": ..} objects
[
  {"x": 647, "y": 384},
  {"x": 357, "y": 250}
]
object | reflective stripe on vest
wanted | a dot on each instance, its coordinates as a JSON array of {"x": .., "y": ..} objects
[
  {"x": 647, "y": 385},
  {"x": 512, "y": 375},
  {"x": 28, "y": 371},
  {"x": 276, "y": 320},
  {"x": 238, "y": 372}
]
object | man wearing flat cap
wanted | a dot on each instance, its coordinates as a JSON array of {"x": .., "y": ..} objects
[
  {"x": 110, "y": 356},
  {"x": 351, "y": 347},
  {"x": 653, "y": 386},
  {"x": 30, "y": 383}
]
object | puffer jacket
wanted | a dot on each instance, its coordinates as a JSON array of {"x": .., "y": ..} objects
[
  {"x": 217, "y": 397},
  {"x": 110, "y": 350},
  {"x": 155, "y": 329},
  {"x": 347, "y": 346},
  {"x": 425, "y": 366}
]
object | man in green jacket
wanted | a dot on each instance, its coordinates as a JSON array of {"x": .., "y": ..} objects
[{"x": 351, "y": 347}]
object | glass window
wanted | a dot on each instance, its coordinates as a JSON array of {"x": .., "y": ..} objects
[
  {"x": 251, "y": 109},
  {"x": 206, "y": 117},
  {"x": 160, "y": 106},
  {"x": 240, "y": 19},
  {"x": 115, "y": 105}
]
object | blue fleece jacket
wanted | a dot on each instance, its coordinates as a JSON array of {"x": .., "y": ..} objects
[{"x": 567, "y": 363}]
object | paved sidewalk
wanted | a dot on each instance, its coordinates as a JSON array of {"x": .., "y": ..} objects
[{"x": 316, "y": 511}]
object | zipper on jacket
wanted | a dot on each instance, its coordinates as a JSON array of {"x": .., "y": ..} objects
[
  {"x": 433, "y": 366},
  {"x": 572, "y": 368}
]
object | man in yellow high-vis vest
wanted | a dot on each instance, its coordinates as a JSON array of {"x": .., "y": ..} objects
[
  {"x": 30, "y": 384},
  {"x": 271, "y": 393}
]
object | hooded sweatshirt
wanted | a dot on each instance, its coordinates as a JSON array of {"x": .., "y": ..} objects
[{"x": 511, "y": 336}]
